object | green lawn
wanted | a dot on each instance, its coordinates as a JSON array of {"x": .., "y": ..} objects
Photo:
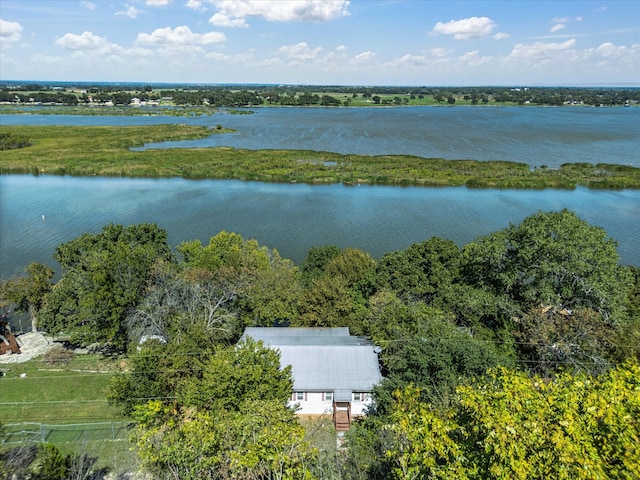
[
  {"x": 57, "y": 394},
  {"x": 66, "y": 406}
]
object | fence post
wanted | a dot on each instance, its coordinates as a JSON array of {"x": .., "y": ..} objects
[{"x": 43, "y": 437}]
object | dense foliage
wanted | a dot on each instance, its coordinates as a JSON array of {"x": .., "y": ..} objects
[
  {"x": 544, "y": 306},
  {"x": 104, "y": 277},
  {"x": 312, "y": 95},
  {"x": 510, "y": 425}
]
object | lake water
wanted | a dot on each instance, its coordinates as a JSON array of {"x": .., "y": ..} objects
[
  {"x": 290, "y": 218},
  {"x": 293, "y": 218},
  {"x": 534, "y": 135}
]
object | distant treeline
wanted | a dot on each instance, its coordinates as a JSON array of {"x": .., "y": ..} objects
[{"x": 309, "y": 95}]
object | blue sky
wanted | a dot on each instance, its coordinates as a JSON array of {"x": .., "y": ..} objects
[{"x": 340, "y": 42}]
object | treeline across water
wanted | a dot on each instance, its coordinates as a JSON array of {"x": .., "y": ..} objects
[
  {"x": 509, "y": 357},
  {"x": 311, "y": 95}
]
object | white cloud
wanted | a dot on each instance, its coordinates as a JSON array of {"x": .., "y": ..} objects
[
  {"x": 473, "y": 59},
  {"x": 609, "y": 49},
  {"x": 540, "y": 49},
  {"x": 440, "y": 52},
  {"x": 300, "y": 51},
  {"x": 158, "y": 3},
  {"x": 217, "y": 56},
  {"x": 418, "y": 60},
  {"x": 612, "y": 51},
  {"x": 129, "y": 11},
  {"x": 178, "y": 36},
  {"x": 363, "y": 58},
  {"x": 557, "y": 27},
  {"x": 560, "y": 19},
  {"x": 223, "y": 20},
  {"x": 196, "y": 5},
  {"x": 235, "y": 12},
  {"x": 10, "y": 32},
  {"x": 89, "y": 5},
  {"x": 466, "y": 28},
  {"x": 501, "y": 36},
  {"x": 86, "y": 41}
]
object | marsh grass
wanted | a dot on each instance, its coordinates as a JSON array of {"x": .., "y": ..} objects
[{"x": 105, "y": 151}]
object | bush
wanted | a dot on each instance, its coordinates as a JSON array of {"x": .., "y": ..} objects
[{"x": 9, "y": 141}]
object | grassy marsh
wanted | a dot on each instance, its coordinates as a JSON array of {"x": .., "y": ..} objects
[{"x": 105, "y": 151}]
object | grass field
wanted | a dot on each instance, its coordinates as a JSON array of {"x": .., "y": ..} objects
[
  {"x": 34, "y": 392},
  {"x": 105, "y": 151},
  {"x": 65, "y": 406}
]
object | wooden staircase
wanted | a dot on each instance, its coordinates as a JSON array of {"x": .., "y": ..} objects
[{"x": 342, "y": 415}]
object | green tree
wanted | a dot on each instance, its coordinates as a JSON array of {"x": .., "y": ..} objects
[
  {"x": 579, "y": 340},
  {"x": 230, "y": 257},
  {"x": 104, "y": 277},
  {"x": 510, "y": 425},
  {"x": 274, "y": 296},
  {"x": 436, "y": 358},
  {"x": 260, "y": 440},
  {"x": 420, "y": 271},
  {"x": 329, "y": 302},
  {"x": 317, "y": 258},
  {"x": 237, "y": 374},
  {"x": 552, "y": 259},
  {"x": 28, "y": 292},
  {"x": 355, "y": 266},
  {"x": 229, "y": 421}
]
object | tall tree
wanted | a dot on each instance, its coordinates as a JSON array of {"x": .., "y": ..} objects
[
  {"x": 104, "y": 277},
  {"x": 422, "y": 270},
  {"x": 28, "y": 293},
  {"x": 552, "y": 259},
  {"x": 228, "y": 421}
]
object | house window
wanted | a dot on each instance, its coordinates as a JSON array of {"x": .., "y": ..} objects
[
  {"x": 299, "y": 395},
  {"x": 328, "y": 396},
  {"x": 361, "y": 396}
]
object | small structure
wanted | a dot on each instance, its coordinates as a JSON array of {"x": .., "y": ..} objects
[
  {"x": 8, "y": 342},
  {"x": 333, "y": 372}
]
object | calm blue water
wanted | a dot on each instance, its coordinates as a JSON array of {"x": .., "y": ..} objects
[
  {"x": 293, "y": 218},
  {"x": 534, "y": 135},
  {"x": 290, "y": 218}
]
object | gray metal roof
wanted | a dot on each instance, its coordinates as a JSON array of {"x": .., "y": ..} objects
[{"x": 322, "y": 359}]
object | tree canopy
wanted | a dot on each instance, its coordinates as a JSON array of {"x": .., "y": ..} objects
[
  {"x": 543, "y": 306},
  {"x": 104, "y": 276}
]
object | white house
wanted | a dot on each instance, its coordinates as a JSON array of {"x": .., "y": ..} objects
[{"x": 333, "y": 372}]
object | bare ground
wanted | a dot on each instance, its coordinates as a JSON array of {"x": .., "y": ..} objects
[{"x": 31, "y": 345}]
